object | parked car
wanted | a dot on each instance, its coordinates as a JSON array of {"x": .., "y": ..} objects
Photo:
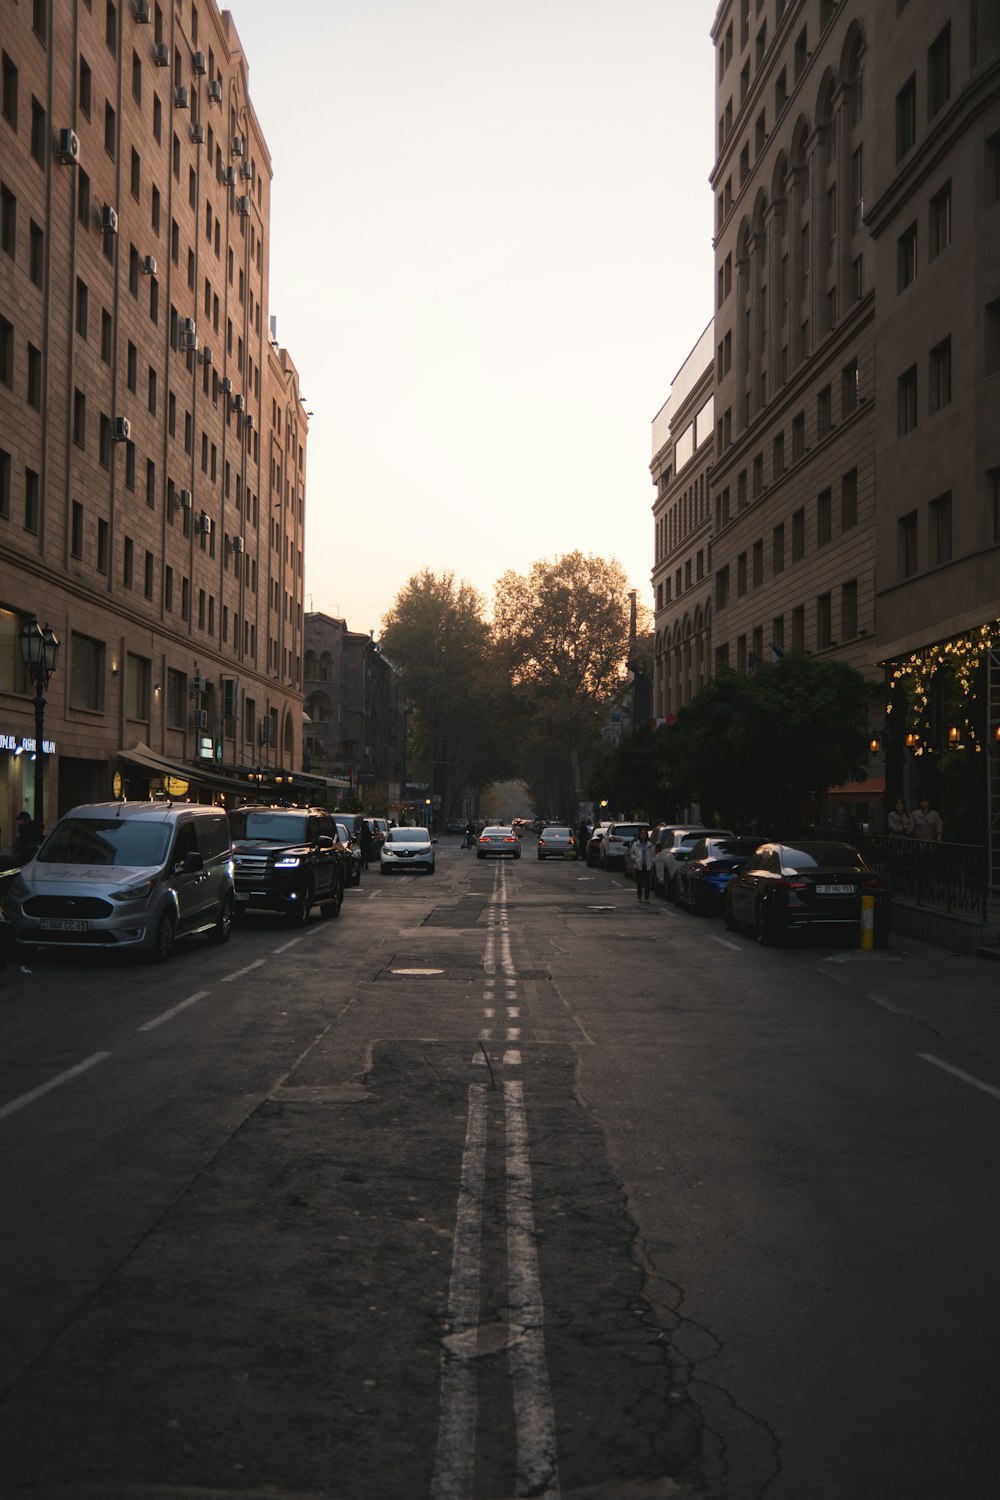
[
  {"x": 616, "y": 841},
  {"x": 673, "y": 843},
  {"x": 557, "y": 842},
  {"x": 455, "y": 825},
  {"x": 498, "y": 843},
  {"x": 593, "y": 850},
  {"x": 352, "y": 853},
  {"x": 407, "y": 849},
  {"x": 702, "y": 878},
  {"x": 785, "y": 888},
  {"x": 127, "y": 876},
  {"x": 288, "y": 859}
]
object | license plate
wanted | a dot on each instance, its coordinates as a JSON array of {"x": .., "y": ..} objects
[
  {"x": 63, "y": 924},
  {"x": 835, "y": 890},
  {"x": 243, "y": 895}
]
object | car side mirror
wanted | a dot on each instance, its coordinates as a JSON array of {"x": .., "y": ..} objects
[
  {"x": 193, "y": 863},
  {"x": 326, "y": 842}
]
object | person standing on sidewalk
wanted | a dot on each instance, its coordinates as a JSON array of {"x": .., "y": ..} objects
[
  {"x": 927, "y": 823},
  {"x": 642, "y": 863}
]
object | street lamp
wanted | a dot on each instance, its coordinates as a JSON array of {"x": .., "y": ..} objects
[{"x": 39, "y": 653}]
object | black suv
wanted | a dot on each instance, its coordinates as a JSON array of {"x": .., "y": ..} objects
[{"x": 288, "y": 859}]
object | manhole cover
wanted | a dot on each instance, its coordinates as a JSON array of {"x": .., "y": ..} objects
[{"x": 416, "y": 971}]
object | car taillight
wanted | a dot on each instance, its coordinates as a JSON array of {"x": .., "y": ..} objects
[
  {"x": 874, "y": 883},
  {"x": 792, "y": 885}
]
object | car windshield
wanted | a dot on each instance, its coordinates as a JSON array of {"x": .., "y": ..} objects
[
  {"x": 500, "y": 833},
  {"x": 821, "y": 856},
  {"x": 558, "y": 833},
  {"x": 278, "y": 827},
  {"x": 409, "y": 836},
  {"x": 106, "y": 841},
  {"x": 626, "y": 830}
]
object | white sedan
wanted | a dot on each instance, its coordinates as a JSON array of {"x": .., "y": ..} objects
[{"x": 407, "y": 849}]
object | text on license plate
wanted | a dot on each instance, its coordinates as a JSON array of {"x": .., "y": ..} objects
[
  {"x": 835, "y": 890},
  {"x": 64, "y": 924}
]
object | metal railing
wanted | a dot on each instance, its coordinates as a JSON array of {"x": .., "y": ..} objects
[{"x": 949, "y": 877}]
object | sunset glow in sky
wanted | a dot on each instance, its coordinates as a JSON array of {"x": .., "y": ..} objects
[{"x": 490, "y": 254}]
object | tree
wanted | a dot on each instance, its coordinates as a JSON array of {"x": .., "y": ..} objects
[
  {"x": 437, "y": 637},
  {"x": 754, "y": 750},
  {"x": 563, "y": 631},
  {"x": 634, "y": 776}
]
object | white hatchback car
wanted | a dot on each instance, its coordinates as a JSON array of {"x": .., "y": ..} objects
[{"x": 407, "y": 849}]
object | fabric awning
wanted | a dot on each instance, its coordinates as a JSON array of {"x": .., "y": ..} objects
[
  {"x": 860, "y": 791},
  {"x": 214, "y": 779}
]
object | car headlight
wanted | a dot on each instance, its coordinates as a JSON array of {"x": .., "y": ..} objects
[
  {"x": 133, "y": 892},
  {"x": 19, "y": 887},
  {"x": 290, "y": 862}
]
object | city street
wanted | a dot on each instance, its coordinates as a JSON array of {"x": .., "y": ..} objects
[{"x": 500, "y": 1185}]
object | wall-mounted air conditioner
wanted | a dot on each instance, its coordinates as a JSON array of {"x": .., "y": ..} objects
[
  {"x": 201, "y": 718},
  {"x": 180, "y": 97},
  {"x": 229, "y": 177},
  {"x": 206, "y": 355},
  {"x": 204, "y": 523},
  {"x": 109, "y": 220},
  {"x": 238, "y": 403},
  {"x": 161, "y": 55},
  {"x": 121, "y": 431},
  {"x": 237, "y": 145},
  {"x": 67, "y": 147},
  {"x": 198, "y": 134},
  {"x": 148, "y": 265},
  {"x": 250, "y": 421},
  {"x": 215, "y": 92},
  {"x": 198, "y": 64},
  {"x": 243, "y": 207},
  {"x": 184, "y": 499},
  {"x": 226, "y": 386},
  {"x": 141, "y": 12},
  {"x": 197, "y": 683}
]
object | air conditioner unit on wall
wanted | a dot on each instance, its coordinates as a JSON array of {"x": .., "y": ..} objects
[
  {"x": 239, "y": 545},
  {"x": 238, "y": 403},
  {"x": 250, "y": 421},
  {"x": 161, "y": 55},
  {"x": 180, "y": 97},
  {"x": 109, "y": 220},
  {"x": 148, "y": 265},
  {"x": 206, "y": 355},
  {"x": 238, "y": 145},
  {"x": 243, "y": 207},
  {"x": 184, "y": 499},
  {"x": 141, "y": 12},
  {"x": 201, "y": 718},
  {"x": 226, "y": 385},
  {"x": 229, "y": 177},
  {"x": 197, "y": 683},
  {"x": 204, "y": 523},
  {"x": 215, "y": 92},
  {"x": 198, "y": 64},
  {"x": 67, "y": 147},
  {"x": 121, "y": 430},
  {"x": 198, "y": 134}
]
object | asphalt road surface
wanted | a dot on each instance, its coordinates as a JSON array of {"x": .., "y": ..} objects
[{"x": 500, "y": 1185}]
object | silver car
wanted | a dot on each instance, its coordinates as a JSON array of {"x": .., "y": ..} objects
[
  {"x": 557, "y": 842},
  {"x": 407, "y": 849},
  {"x": 498, "y": 843},
  {"x": 127, "y": 875}
]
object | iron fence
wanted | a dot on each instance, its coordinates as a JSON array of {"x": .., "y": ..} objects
[{"x": 950, "y": 877}]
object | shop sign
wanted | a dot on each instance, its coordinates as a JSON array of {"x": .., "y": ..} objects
[{"x": 26, "y": 743}]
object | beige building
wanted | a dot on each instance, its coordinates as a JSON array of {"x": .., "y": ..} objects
[
  {"x": 683, "y": 450},
  {"x": 152, "y": 435}
]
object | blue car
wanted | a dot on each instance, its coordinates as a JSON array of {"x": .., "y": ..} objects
[{"x": 708, "y": 869}]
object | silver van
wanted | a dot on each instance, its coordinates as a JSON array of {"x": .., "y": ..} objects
[{"x": 127, "y": 875}]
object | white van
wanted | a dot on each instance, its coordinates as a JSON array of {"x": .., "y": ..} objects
[{"x": 127, "y": 875}]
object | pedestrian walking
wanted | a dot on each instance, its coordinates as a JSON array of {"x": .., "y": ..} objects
[
  {"x": 642, "y": 863},
  {"x": 367, "y": 843},
  {"x": 900, "y": 821},
  {"x": 927, "y": 823}
]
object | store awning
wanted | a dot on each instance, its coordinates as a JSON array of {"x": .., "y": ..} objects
[
  {"x": 214, "y": 778},
  {"x": 869, "y": 790}
]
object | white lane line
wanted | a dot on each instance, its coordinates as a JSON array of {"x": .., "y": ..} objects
[
  {"x": 258, "y": 963},
  {"x": 290, "y": 944},
  {"x": 512, "y": 1058},
  {"x": 977, "y": 1083},
  {"x": 176, "y": 1010},
  {"x": 537, "y": 1471},
  {"x": 454, "y": 1462},
  {"x": 53, "y": 1083},
  {"x": 726, "y": 943}
]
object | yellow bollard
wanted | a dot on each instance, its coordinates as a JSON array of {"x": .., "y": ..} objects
[{"x": 867, "y": 923}]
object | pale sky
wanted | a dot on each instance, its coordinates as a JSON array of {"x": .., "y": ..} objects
[{"x": 490, "y": 254}]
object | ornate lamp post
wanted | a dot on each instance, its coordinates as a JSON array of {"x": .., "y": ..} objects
[{"x": 39, "y": 653}]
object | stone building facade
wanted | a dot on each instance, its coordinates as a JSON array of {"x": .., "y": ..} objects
[
  {"x": 354, "y": 727},
  {"x": 152, "y": 438}
]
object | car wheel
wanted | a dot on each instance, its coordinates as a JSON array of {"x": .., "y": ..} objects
[
  {"x": 166, "y": 935},
  {"x": 383, "y": 869},
  {"x": 697, "y": 904},
  {"x": 222, "y": 931},
  {"x": 480, "y": 856},
  {"x": 332, "y": 907},
  {"x": 356, "y": 877},
  {"x": 672, "y": 890},
  {"x": 763, "y": 928},
  {"x": 298, "y": 911}
]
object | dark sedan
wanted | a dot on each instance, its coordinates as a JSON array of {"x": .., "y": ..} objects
[
  {"x": 702, "y": 878},
  {"x": 785, "y": 888}
]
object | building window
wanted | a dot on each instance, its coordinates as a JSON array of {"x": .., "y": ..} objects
[
  {"x": 993, "y": 168},
  {"x": 849, "y": 610},
  {"x": 994, "y": 479},
  {"x": 940, "y": 221},
  {"x": 799, "y": 628},
  {"x": 741, "y": 575},
  {"x": 103, "y": 547},
  {"x": 168, "y": 588},
  {"x": 79, "y": 419},
  {"x": 906, "y": 258},
  {"x": 83, "y": 197},
  {"x": 906, "y": 117},
  {"x": 798, "y": 437},
  {"x": 939, "y": 531},
  {"x": 8, "y": 92},
  {"x": 778, "y": 455},
  {"x": 128, "y": 562},
  {"x": 8, "y": 222},
  {"x": 147, "y": 578},
  {"x": 32, "y": 498},
  {"x": 109, "y": 129},
  {"x": 36, "y": 253},
  {"x": 722, "y": 588},
  {"x": 177, "y": 697},
  {"x": 151, "y": 484},
  {"x": 757, "y": 565},
  {"x": 824, "y": 509},
  {"x": 39, "y": 136},
  {"x": 86, "y": 673},
  {"x": 137, "y": 670},
  {"x": 34, "y": 386},
  {"x": 907, "y": 544},
  {"x": 939, "y": 72},
  {"x": 824, "y": 412},
  {"x": 992, "y": 337},
  {"x": 906, "y": 401},
  {"x": 940, "y": 375},
  {"x": 849, "y": 500},
  {"x": 778, "y": 549},
  {"x": 5, "y": 473},
  {"x": 104, "y": 441},
  {"x": 823, "y": 619},
  {"x": 849, "y": 388},
  {"x": 798, "y": 535}
]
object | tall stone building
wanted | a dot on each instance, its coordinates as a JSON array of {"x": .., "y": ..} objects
[
  {"x": 354, "y": 713},
  {"x": 854, "y": 492},
  {"x": 152, "y": 437}
]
